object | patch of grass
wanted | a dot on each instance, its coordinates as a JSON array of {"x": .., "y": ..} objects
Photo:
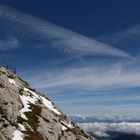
[
  {"x": 32, "y": 135},
  {"x": 32, "y": 116},
  {"x": 33, "y": 122}
]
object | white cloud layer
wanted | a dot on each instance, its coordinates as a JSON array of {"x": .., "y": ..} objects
[{"x": 100, "y": 129}]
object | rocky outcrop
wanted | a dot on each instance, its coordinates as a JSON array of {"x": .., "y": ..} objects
[{"x": 26, "y": 114}]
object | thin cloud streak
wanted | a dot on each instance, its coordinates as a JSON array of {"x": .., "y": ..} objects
[
  {"x": 68, "y": 40},
  {"x": 105, "y": 118},
  {"x": 122, "y": 100},
  {"x": 90, "y": 78},
  {"x": 102, "y": 109},
  {"x": 9, "y": 43},
  {"x": 132, "y": 33}
]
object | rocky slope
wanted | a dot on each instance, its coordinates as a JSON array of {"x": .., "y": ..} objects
[{"x": 26, "y": 114}]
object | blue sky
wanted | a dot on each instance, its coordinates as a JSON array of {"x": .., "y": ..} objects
[{"x": 83, "y": 54}]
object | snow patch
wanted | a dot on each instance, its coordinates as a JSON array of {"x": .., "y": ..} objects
[
  {"x": 69, "y": 125},
  {"x": 49, "y": 105},
  {"x": 22, "y": 128},
  {"x": 12, "y": 81},
  {"x": 33, "y": 93},
  {"x": 46, "y": 102},
  {"x": 64, "y": 128},
  {"x": 18, "y": 135},
  {"x": 25, "y": 101}
]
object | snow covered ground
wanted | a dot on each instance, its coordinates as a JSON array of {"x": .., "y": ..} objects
[{"x": 17, "y": 135}]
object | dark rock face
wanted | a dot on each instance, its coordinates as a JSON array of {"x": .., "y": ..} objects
[{"x": 26, "y": 114}]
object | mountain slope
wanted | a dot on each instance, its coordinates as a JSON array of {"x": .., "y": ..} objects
[{"x": 26, "y": 114}]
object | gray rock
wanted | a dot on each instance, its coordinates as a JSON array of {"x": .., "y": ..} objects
[{"x": 31, "y": 114}]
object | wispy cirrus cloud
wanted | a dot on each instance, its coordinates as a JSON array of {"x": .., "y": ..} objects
[
  {"x": 130, "y": 34},
  {"x": 113, "y": 76},
  {"x": 73, "y": 61},
  {"x": 9, "y": 43},
  {"x": 86, "y": 76},
  {"x": 61, "y": 38}
]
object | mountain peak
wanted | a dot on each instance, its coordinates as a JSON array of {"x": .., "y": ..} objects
[{"x": 26, "y": 114}]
